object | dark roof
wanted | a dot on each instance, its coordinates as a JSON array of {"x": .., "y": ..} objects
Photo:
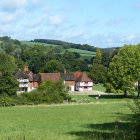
[
  {"x": 20, "y": 74},
  {"x": 27, "y": 72},
  {"x": 50, "y": 76},
  {"x": 81, "y": 77},
  {"x": 27, "y": 75},
  {"x": 30, "y": 75},
  {"x": 68, "y": 77},
  {"x": 36, "y": 77}
]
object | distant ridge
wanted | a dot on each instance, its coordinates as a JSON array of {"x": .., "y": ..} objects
[{"x": 66, "y": 44}]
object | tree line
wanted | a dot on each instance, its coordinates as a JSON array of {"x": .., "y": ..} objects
[{"x": 66, "y": 45}]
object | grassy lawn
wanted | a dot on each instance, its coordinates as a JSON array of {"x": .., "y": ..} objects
[
  {"x": 99, "y": 88},
  {"x": 67, "y": 122}
]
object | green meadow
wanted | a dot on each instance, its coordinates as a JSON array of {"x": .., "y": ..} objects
[
  {"x": 84, "y": 54},
  {"x": 98, "y": 121}
]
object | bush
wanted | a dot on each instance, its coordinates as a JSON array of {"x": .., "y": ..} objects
[
  {"x": 48, "y": 92},
  {"x": 6, "y": 100},
  {"x": 109, "y": 88}
]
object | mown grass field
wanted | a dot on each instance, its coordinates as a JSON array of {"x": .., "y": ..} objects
[
  {"x": 100, "y": 121},
  {"x": 84, "y": 54}
]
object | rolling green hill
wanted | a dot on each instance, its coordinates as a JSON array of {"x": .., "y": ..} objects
[{"x": 84, "y": 53}]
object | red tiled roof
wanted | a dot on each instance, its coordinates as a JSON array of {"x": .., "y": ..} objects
[
  {"x": 50, "y": 76},
  {"x": 84, "y": 78},
  {"x": 77, "y": 75},
  {"x": 81, "y": 77}
]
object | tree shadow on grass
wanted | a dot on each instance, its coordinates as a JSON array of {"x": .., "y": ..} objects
[
  {"x": 111, "y": 96},
  {"x": 108, "y": 131}
]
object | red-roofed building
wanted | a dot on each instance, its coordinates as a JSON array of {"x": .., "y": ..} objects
[
  {"x": 27, "y": 80},
  {"x": 50, "y": 76},
  {"x": 83, "y": 82}
]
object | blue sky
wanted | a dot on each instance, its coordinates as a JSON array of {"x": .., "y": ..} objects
[{"x": 102, "y": 23}]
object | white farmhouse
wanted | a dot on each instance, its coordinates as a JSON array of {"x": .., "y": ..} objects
[{"x": 82, "y": 82}]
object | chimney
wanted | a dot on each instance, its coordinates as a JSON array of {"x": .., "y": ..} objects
[
  {"x": 65, "y": 71},
  {"x": 25, "y": 68}
]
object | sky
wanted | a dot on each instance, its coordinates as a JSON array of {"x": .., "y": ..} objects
[{"x": 102, "y": 23}]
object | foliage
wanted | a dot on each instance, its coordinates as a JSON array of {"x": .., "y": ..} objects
[
  {"x": 97, "y": 73},
  {"x": 7, "y": 63},
  {"x": 53, "y": 66},
  {"x": 106, "y": 58},
  {"x": 11, "y": 47},
  {"x": 48, "y": 92},
  {"x": 115, "y": 52},
  {"x": 70, "y": 62},
  {"x": 124, "y": 70},
  {"x": 98, "y": 57},
  {"x": 20, "y": 64},
  {"x": 8, "y": 84}
]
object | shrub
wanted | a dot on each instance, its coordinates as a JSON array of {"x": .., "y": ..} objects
[
  {"x": 6, "y": 100},
  {"x": 109, "y": 88},
  {"x": 48, "y": 92}
]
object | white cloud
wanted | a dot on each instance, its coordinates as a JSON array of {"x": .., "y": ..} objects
[
  {"x": 12, "y": 5},
  {"x": 56, "y": 19},
  {"x": 38, "y": 21},
  {"x": 127, "y": 38},
  {"x": 35, "y": 1},
  {"x": 114, "y": 40},
  {"x": 8, "y": 18}
]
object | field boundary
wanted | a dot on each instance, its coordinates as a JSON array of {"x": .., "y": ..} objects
[{"x": 75, "y": 104}]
